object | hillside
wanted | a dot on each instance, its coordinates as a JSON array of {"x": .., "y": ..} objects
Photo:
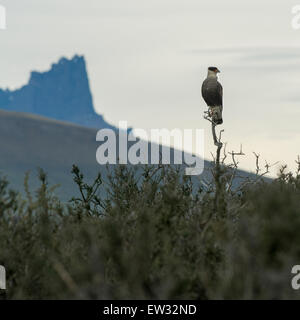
[{"x": 29, "y": 141}]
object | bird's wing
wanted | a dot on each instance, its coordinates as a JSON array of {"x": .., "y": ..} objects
[
  {"x": 220, "y": 93},
  {"x": 212, "y": 92}
]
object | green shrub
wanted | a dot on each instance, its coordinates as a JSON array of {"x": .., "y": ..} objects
[{"x": 149, "y": 234}]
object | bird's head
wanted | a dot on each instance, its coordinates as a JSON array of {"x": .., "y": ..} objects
[{"x": 214, "y": 70}]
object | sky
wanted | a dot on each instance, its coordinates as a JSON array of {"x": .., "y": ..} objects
[{"x": 147, "y": 59}]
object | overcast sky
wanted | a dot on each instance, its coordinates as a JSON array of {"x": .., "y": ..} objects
[{"x": 147, "y": 59}]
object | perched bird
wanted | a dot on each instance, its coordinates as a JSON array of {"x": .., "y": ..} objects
[{"x": 212, "y": 93}]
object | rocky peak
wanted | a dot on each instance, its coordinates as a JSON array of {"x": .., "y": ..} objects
[{"x": 62, "y": 93}]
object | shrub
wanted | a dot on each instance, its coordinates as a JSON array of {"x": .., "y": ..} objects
[{"x": 151, "y": 234}]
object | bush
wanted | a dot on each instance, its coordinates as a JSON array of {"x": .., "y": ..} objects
[{"x": 151, "y": 234}]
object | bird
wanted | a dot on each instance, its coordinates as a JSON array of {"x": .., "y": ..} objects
[{"x": 212, "y": 93}]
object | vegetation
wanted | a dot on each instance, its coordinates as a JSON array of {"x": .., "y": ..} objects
[{"x": 153, "y": 235}]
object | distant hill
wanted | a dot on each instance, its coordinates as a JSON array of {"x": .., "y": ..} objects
[
  {"x": 28, "y": 141},
  {"x": 62, "y": 93}
]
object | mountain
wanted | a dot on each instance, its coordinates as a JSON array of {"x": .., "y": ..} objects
[{"x": 62, "y": 93}]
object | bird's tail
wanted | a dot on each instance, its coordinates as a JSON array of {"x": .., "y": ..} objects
[{"x": 216, "y": 114}]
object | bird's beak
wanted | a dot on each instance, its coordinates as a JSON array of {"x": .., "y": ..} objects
[{"x": 218, "y": 71}]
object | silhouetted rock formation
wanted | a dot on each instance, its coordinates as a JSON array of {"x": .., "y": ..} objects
[{"x": 62, "y": 93}]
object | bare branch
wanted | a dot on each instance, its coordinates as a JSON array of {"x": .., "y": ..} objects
[
  {"x": 298, "y": 166},
  {"x": 224, "y": 153},
  {"x": 235, "y": 166},
  {"x": 234, "y": 154},
  {"x": 257, "y": 162},
  {"x": 258, "y": 169}
]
